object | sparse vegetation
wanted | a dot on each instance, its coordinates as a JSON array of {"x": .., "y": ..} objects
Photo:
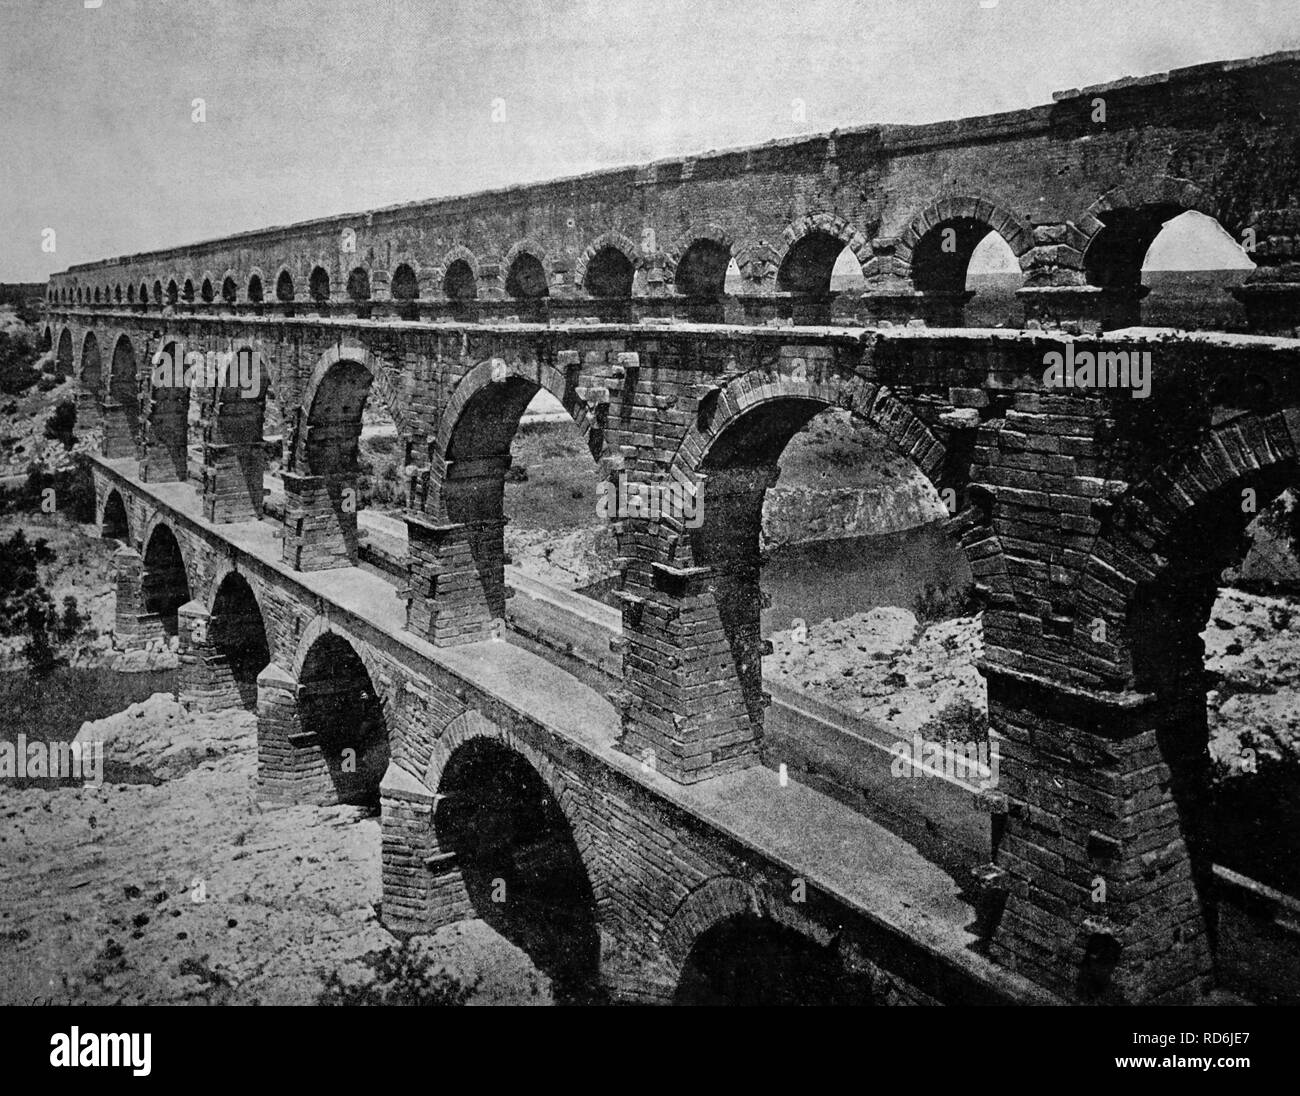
[
  {"x": 959, "y": 721},
  {"x": 18, "y": 354},
  {"x": 26, "y": 608},
  {"x": 402, "y": 976}
]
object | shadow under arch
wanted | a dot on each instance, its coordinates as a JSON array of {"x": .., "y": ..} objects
[
  {"x": 113, "y": 524},
  {"x": 164, "y": 581},
  {"x": 1165, "y": 546},
  {"x": 727, "y": 944},
  {"x": 237, "y": 632},
  {"x": 340, "y": 706},
  {"x": 520, "y": 862}
]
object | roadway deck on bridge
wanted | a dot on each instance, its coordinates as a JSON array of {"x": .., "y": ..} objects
[{"x": 812, "y": 836}]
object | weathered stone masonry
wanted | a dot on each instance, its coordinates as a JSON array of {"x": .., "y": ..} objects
[{"x": 1095, "y": 523}]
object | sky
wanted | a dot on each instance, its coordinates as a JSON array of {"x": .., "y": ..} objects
[{"x": 318, "y": 107}]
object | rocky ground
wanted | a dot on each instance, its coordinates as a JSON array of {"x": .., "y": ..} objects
[
  {"x": 184, "y": 890},
  {"x": 179, "y": 887}
]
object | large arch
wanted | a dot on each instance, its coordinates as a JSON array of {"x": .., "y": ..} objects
[
  {"x": 122, "y": 407},
  {"x": 166, "y": 453},
  {"x": 523, "y": 855},
  {"x": 113, "y": 522},
  {"x": 90, "y": 370},
  {"x": 238, "y": 637},
  {"x": 63, "y": 365},
  {"x": 719, "y": 477},
  {"x": 727, "y": 944},
  {"x": 1145, "y": 598},
  {"x": 164, "y": 580},
  {"x": 323, "y": 452},
  {"x": 332, "y": 406},
  {"x": 385, "y": 389},
  {"x": 340, "y": 707},
  {"x": 473, "y": 449}
]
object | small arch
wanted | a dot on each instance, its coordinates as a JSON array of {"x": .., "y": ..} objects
[
  {"x": 318, "y": 285},
  {"x": 405, "y": 286},
  {"x": 206, "y": 293},
  {"x": 187, "y": 291},
  {"x": 526, "y": 277},
  {"x": 1120, "y": 226},
  {"x": 117, "y": 293},
  {"x": 809, "y": 265},
  {"x": 460, "y": 283},
  {"x": 97, "y": 294},
  {"x": 609, "y": 273},
  {"x": 359, "y": 284},
  {"x": 173, "y": 292},
  {"x": 814, "y": 244},
  {"x": 158, "y": 292},
  {"x": 229, "y": 290},
  {"x": 944, "y": 256},
  {"x": 255, "y": 293},
  {"x": 284, "y": 287},
  {"x": 144, "y": 295},
  {"x": 701, "y": 271}
]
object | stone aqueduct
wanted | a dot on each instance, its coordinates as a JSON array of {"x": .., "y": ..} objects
[{"x": 1096, "y": 524}]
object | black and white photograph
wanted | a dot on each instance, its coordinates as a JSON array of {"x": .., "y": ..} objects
[{"x": 601, "y": 503}]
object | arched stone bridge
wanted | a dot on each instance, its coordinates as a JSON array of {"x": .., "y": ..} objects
[
  {"x": 1096, "y": 524},
  {"x": 1078, "y": 190}
]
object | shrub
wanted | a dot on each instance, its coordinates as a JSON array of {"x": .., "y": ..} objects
[
  {"x": 943, "y": 603},
  {"x": 403, "y": 976},
  {"x": 61, "y": 422},
  {"x": 958, "y": 721},
  {"x": 17, "y": 353}
]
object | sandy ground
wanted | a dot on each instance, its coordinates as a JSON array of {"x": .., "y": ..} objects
[
  {"x": 886, "y": 665},
  {"x": 187, "y": 891}
]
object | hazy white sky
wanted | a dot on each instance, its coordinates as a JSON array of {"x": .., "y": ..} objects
[{"x": 316, "y": 107}]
